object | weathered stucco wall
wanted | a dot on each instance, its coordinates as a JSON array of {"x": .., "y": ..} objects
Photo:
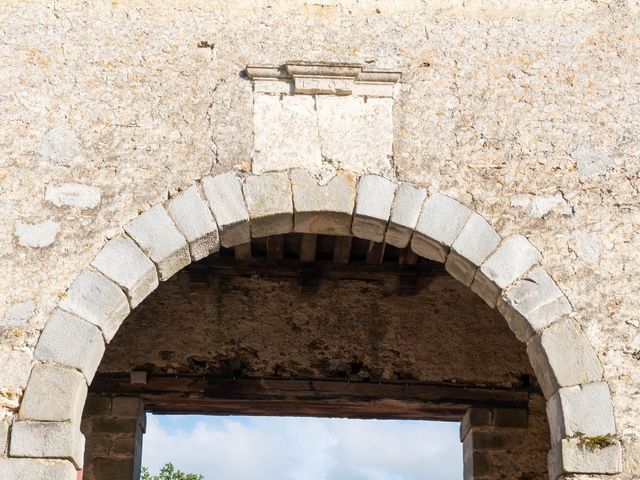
[{"x": 525, "y": 111}]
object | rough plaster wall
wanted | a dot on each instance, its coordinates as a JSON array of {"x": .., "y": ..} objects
[
  {"x": 263, "y": 327},
  {"x": 498, "y": 100}
]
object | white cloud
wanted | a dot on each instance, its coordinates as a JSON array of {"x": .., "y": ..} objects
[{"x": 275, "y": 448}]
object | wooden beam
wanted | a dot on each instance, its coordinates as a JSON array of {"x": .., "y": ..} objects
[
  {"x": 342, "y": 250},
  {"x": 407, "y": 256},
  {"x": 308, "y": 247},
  {"x": 243, "y": 251},
  {"x": 275, "y": 248},
  {"x": 290, "y": 268},
  {"x": 314, "y": 397},
  {"x": 375, "y": 254}
]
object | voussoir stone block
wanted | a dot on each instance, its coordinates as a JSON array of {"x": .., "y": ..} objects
[
  {"x": 561, "y": 356},
  {"x": 440, "y": 223},
  {"x": 325, "y": 209},
  {"x": 95, "y": 298},
  {"x": 28, "y": 469},
  {"x": 195, "y": 221},
  {"x": 158, "y": 236},
  {"x": 47, "y": 440},
  {"x": 123, "y": 262},
  {"x": 575, "y": 455},
  {"x": 532, "y": 303},
  {"x": 510, "y": 261},
  {"x": 226, "y": 201},
  {"x": 270, "y": 204},
  {"x": 54, "y": 394},
  {"x": 582, "y": 410},
  {"x": 476, "y": 242},
  {"x": 373, "y": 207},
  {"x": 405, "y": 211},
  {"x": 71, "y": 341},
  {"x": 4, "y": 432}
]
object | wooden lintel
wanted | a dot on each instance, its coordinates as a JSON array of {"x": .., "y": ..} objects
[
  {"x": 375, "y": 254},
  {"x": 308, "y": 247},
  {"x": 313, "y": 397},
  {"x": 275, "y": 248},
  {"x": 342, "y": 250}
]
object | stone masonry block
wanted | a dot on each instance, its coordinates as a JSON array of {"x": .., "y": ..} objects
[
  {"x": 373, "y": 207},
  {"x": 195, "y": 221},
  {"x": 476, "y": 242},
  {"x": 575, "y": 455},
  {"x": 510, "y": 417},
  {"x": 226, "y": 201},
  {"x": 98, "y": 300},
  {"x": 561, "y": 356},
  {"x": 54, "y": 394},
  {"x": 475, "y": 417},
  {"x": 582, "y": 410},
  {"x": 47, "y": 440},
  {"x": 28, "y": 469},
  {"x": 70, "y": 341},
  {"x": 123, "y": 262},
  {"x": 127, "y": 407},
  {"x": 405, "y": 211},
  {"x": 440, "y": 223},
  {"x": 159, "y": 238},
  {"x": 511, "y": 260},
  {"x": 532, "y": 303},
  {"x": 270, "y": 204},
  {"x": 322, "y": 209}
]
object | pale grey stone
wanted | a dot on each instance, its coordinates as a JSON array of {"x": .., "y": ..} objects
[
  {"x": 405, "y": 212},
  {"x": 95, "y": 298},
  {"x": 59, "y": 145},
  {"x": 159, "y": 238},
  {"x": 28, "y": 469},
  {"x": 592, "y": 162},
  {"x": 586, "y": 245},
  {"x": 540, "y": 205},
  {"x": 368, "y": 145},
  {"x": 373, "y": 207},
  {"x": 476, "y": 242},
  {"x": 285, "y": 133},
  {"x": 324, "y": 209},
  {"x": 54, "y": 394},
  {"x": 226, "y": 201},
  {"x": 37, "y": 235},
  {"x": 195, "y": 222},
  {"x": 18, "y": 315},
  {"x": 73, "y": 195},
  {"x": 562, "y": 357},
  {"x": 123, "y": 262},
  {"x": 270, "y": 204},
  {"x": 70, "y": 341},
  {"x": 511, "y": 260},
  {"x": 532, "y": 303},
  {"x": 47, "y": 440},
  {"x": 572, "y": 455},
  {"x": 440, "y": 222},
  {"x": 582, "y": 410}
]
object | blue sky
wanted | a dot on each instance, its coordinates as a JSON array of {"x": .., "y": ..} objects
[{"x": 288, "y": 448}]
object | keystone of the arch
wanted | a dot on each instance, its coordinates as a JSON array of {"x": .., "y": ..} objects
[{"x": 168, "y": 237}]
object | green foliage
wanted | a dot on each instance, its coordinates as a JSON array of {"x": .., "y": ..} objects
[{"x": 168, "y": 472}]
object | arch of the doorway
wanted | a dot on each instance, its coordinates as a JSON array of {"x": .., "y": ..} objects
[{"x": 228, "y": 210}]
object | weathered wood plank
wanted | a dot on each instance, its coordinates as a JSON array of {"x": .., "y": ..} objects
[
  {"x": 308, "y": 247},
  {"x": 275, "y": 248},
  {"x": 342, "y": 250}
]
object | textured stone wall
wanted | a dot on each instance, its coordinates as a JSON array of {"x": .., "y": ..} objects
[
  {"x": 527, "y": 112},
  {"x": 264, "y": 327}
]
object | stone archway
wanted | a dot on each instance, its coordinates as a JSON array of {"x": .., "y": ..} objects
[{"x": 45, "y": 439}]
